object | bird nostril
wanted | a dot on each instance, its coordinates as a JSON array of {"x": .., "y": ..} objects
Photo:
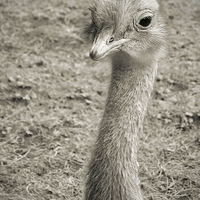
[{"x": 111, "y": 39}]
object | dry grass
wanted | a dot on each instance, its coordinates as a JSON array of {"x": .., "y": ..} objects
[{"x": 52, "y": 97}]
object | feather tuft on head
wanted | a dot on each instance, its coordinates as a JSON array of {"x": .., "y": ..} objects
[{"x": 107, "y": 14}]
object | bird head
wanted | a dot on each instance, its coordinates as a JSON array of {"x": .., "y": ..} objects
[{"x": 132, "y": 26}]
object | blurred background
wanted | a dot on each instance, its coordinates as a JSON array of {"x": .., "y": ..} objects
[{"x": 52, "y": 97}]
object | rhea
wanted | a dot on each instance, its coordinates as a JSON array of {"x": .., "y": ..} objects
[{"x": 132, "y": 32}]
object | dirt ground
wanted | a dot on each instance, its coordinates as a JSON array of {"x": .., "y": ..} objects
[{"x": 52, "y": 97}]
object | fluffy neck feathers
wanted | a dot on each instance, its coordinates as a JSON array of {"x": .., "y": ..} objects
[{"x": 113, "y": 170}]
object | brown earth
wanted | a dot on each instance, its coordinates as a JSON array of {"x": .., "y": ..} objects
[{"x": 52, "y": 97}]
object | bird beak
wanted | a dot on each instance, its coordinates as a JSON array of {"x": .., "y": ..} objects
[{"x": 102, "y": 46}]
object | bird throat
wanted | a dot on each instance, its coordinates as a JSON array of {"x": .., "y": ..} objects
[{"x": 129, "y": 92}]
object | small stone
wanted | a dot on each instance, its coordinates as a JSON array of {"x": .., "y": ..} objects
[
  {"x": 182, "y": 125},
  {"x": 26, "y": 97},
  {"x": 20, "y": 83},
  {"x": 18, "y": 77},
  {"x": 88, "y": 102},
  {"x": 190, "y": 120},
  {"x": 34, "y": 95},
  {"x": 167, "y": 121},
  {"x": 167, "y": 90},
  {"x": 189, "y": 114},
  {"x": 159, "y": 116},
  {"x": 159, "y": 77},
  {"x": 56, "y": 133},
  {"x": 18, "y": 95},
  {"x": 11, "y": 79}
]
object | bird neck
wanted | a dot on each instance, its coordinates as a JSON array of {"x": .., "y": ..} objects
[
  {"x": 113, "y": 169},
  {"x": 130, "y": 89},
  {"x": 128, "y": 95}
]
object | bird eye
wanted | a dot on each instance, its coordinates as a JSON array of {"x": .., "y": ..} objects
[
  {"x": 111, "y": 39},
  {"x": 145, "y": 22}
]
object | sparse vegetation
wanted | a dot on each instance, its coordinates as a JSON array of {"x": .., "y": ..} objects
[{"x": 52, "y": 97}]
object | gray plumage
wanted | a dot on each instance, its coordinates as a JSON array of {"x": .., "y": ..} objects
[{"x": 132, "y": 32}]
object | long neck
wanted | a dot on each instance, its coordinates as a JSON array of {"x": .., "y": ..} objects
[
  {"x": 129, "y": 92},
  {"x": 113, "y": 170}
]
